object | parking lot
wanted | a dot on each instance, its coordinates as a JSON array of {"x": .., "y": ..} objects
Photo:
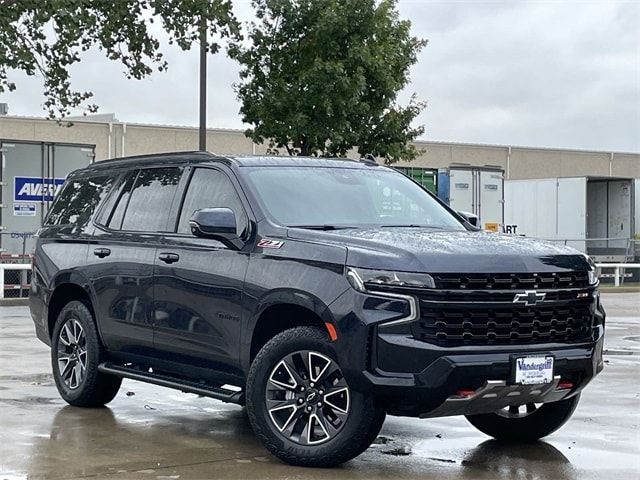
[{"x": 149, "y": 432}]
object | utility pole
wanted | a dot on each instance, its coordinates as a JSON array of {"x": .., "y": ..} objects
[{"x": 202, "y": 144}]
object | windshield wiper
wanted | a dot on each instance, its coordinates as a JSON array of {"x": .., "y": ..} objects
[{"x": 321, "y": 227}]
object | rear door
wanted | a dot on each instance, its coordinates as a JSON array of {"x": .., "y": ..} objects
[
  {"x": 198, "y": 285},
  {"x": 32, "y": 174},
  {"x": 22, "y": 195},
  {"x": 121, "y": 260},
  {"x": 571, "y": 207},
  {"x": 461, "y": 193},
  {"x": 619, "y": 218},
  {"x": 491, "y": 198}
]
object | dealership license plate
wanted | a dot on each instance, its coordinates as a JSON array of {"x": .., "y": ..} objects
[{"x": 534, "y": 370}]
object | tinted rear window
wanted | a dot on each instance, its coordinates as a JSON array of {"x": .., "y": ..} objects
[
  {"x": 150, "y": 200},
  {"x": 78, "y": 200}
]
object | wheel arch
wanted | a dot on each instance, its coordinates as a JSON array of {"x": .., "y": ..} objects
[
  {"x": 283, "y": 310},
  {"x": 68, "y": 286}
]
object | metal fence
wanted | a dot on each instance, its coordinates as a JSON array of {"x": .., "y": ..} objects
[
  {"x": 15, "y": 280},
  {"x": 619, "y": 250},
  {"x": 619, "y": 271},
  {"x": 15, "y": 267}
]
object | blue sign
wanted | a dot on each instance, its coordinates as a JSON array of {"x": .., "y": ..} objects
[{"x": 35, "y": 189}]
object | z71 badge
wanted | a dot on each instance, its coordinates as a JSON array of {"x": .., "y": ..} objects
[{"x": 267, "y": 243}]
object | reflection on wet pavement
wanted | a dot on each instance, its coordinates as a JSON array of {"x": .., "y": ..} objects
[{"x": 152, "y": 433}]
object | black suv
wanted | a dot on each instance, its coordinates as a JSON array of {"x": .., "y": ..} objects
[{"x": 322, "y": 293}]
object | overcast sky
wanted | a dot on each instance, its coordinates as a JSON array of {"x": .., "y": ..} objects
[{"x": 543, "y": 73}]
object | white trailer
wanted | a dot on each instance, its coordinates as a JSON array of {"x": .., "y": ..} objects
[
  {"x": 477, "y": 190},
  {"x": 593, "y": 214}
]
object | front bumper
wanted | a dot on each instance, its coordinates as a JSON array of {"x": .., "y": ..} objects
[{"x": 419, "y": 379}]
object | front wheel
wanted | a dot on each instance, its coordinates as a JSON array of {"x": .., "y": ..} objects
[
  {"x": 301, "y": 406},
  {"x": 525, "y": 423}
]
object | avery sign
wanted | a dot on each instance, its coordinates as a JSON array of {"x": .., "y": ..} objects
[{"x": 35, "y": 189}]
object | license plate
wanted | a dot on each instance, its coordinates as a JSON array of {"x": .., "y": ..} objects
[{"x": 534, "y": 370}]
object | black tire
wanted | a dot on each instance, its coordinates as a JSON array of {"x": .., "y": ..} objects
[
  {"x": 93, "y": 389},
  {"x": 356, "y": 432},
  {"x": 376, "y": 426},
  {"x": 542, "y": 422}
]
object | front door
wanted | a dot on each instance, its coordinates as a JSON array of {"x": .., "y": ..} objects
[{"x": 199, "y": 282}]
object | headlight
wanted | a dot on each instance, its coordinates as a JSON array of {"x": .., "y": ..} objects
[
  {"x": 362, "y": 279},
  {"x": 593, "y": 275}
]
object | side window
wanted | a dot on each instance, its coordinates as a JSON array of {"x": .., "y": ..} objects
[
  {"x": 210, "y": 189},
  {"x": 149, "y": 202},
  {"x": 111, "y": 217},
  {"x": 78, "y": 200}
]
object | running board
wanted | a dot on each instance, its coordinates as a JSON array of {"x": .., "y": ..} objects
[{"x": 187, "y": 386}]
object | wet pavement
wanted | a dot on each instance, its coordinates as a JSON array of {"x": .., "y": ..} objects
[{"x": 149, "y": 432}]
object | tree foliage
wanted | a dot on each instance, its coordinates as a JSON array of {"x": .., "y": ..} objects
[
  {"x": 47, "y": 37},
  {"x": 320, "y": 77}
]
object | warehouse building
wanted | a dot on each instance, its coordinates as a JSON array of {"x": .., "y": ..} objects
[
  {"x": 110, "y": 138},
  {"x": 38, "y": 153}
]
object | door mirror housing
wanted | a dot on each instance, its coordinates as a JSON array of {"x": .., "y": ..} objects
[
  {"x": 471, "y": 218},
  {"x": 216, "y": 223}
]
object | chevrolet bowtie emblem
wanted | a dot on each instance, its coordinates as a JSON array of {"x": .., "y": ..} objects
[{"x": 529, "y": 297}]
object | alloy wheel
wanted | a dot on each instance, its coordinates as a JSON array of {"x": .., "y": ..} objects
[
  {"x": 307, "y": 397},
  {"x": 72, "y": 353}
]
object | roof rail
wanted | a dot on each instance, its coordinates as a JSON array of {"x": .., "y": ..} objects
[{"x": 369, "y": 159}]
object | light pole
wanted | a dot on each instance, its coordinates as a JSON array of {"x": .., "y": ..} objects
[{"x": 202, "y": 143}]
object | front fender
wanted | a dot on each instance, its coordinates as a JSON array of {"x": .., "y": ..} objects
[
  {"x": 282, "y": 296},
  {"x": 293, "y": 297}
]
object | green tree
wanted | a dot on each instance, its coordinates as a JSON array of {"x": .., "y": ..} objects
[
  {"x": 47, "y": 37},
  {"x": 320, "y": 77}
]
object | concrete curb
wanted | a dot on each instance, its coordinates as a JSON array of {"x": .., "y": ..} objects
[{"x": 14, "y": 302}]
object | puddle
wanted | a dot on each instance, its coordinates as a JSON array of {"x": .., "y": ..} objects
[
  {"x": 619, "y": 352},
  {"x": 37, "y": 379},
  {"x": 634, "y": 338},
  {"x": 31, "y": 401}
]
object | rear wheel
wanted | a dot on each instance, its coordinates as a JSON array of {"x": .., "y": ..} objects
[
  {"x": 76, "y": 353},
  {"x": 301, "y": 406},
  {"x": 525, "y": 423}
]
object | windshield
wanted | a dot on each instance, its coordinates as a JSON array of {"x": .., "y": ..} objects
[{"x": 330, "y": 197}]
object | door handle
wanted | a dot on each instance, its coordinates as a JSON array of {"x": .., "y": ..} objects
[
  {"x": 102, "y": 252},
  {"x": 169, "y": 257}
]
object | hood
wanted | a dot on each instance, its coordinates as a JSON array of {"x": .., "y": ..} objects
[{"x": 425, "y": 250}]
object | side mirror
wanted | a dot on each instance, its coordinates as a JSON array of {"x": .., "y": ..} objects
[
  {"x": 218, "y": 224},
  {"x": 470, "y": 218}
]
